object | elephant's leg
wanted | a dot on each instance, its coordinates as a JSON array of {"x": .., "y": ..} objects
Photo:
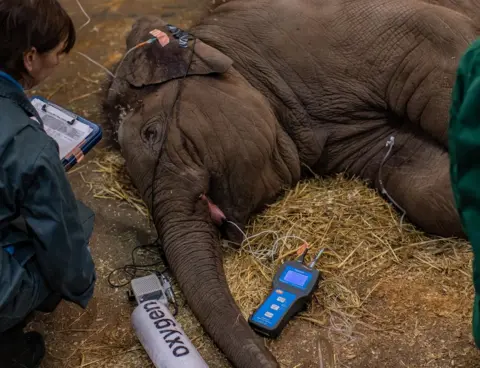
[
  {"x": 416, "y": 174},
  {"x": 420, "y": 85}
]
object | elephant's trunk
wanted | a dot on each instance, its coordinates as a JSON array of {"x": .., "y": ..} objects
[{"x": 192, "y": 249}]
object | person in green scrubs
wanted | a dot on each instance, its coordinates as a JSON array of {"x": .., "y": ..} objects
[
  {"x": 44, "y": 230},
  {"x": 464, "y": 151}
]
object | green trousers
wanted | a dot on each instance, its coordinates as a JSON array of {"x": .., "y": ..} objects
[{"x": 464, "y": 151}]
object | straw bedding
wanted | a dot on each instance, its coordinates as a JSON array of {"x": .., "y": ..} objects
[{"x": 364, "y": 246}]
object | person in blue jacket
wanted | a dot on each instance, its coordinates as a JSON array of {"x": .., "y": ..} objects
[{"x": 44, "y": 231}]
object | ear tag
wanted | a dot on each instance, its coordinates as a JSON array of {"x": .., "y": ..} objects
[{"x": 162, "y": 37}]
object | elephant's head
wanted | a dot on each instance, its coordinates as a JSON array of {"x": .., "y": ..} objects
[{"x": 209, "y": 133}]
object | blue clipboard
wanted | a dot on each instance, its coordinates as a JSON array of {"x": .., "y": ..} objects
[{"x": 67, "y": 117}]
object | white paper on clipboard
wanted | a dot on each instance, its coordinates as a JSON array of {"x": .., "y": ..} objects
[{"x": 67, "y": 136}]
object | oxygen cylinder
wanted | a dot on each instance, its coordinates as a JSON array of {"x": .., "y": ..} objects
[{"x": 163, "y": 339}]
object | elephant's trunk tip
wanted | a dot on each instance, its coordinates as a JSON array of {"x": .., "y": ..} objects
[{"x": 264, "y": 360}]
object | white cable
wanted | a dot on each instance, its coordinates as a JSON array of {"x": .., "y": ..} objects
[
  {"x": 98, "y": 64},
  {"x": 128, "y": 52},
  {"x": 84, "y": 12},
  {"x": 390, "y": 143},
  {"x": 261, "y": 254}
]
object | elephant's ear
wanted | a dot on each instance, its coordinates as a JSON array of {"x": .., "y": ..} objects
[{"x": 155, "y": 64}]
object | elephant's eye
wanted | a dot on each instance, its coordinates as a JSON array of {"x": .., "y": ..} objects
[{"x": 152, "y": 132}]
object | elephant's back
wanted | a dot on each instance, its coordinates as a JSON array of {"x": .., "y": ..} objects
[
  {"x": 325, "y": 58},
  {"x": 470, "y": 8}
]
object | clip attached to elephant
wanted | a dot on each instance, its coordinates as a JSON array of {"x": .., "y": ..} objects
[{"x": 162, "y": 37}]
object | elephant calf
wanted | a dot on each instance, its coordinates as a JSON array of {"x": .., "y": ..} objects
[{"x": 268, "y": 91}]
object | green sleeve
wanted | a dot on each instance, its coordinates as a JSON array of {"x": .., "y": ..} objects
[
  {"x": 52, "y": 217},
  {"x": 464, "y": 150}
]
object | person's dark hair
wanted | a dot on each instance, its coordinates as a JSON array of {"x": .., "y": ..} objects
[{"x": 24, "y": 24}]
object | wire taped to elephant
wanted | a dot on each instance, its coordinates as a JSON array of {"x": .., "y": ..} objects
[{"x": 390, "y": 143}]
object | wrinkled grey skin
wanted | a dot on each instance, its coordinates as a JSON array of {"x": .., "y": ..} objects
[{"x": 279, "y": 89}]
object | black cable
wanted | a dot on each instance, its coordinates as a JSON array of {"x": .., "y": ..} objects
[{"x": 134, "y": 266}]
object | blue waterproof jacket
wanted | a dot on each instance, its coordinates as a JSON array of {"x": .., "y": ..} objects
[{"x": 39, "y": 215}]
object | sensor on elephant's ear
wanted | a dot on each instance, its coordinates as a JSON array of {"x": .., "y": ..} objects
[
  {"x": 157, "y": 65},
  {"x": 162, "y": 37}
]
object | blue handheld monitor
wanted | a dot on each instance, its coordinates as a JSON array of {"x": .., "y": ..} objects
[{"x": 293, "y": 287}]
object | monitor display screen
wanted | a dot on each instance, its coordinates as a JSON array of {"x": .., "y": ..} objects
[{"x": 296, "y": 278}]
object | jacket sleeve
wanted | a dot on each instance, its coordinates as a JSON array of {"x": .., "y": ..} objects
[
  {"x": 464, "y": 151},
  {"x": 464, "y": 142},
  {"x": 52, "y": 218}
]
